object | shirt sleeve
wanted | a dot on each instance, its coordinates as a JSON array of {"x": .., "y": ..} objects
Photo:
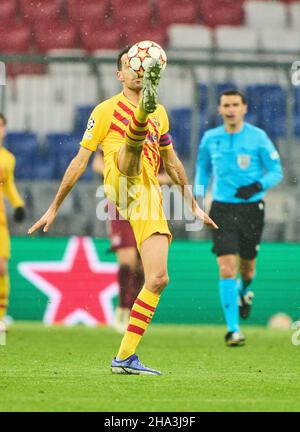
[
  {"x": 203, "y": 168},
  {"x": 10, "y": 189},
  {"x": 165, "y": 141},
  {"x": 271, "y": 161},
  {"x": 97, "y": 127}
]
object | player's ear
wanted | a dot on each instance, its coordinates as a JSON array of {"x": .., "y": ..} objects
[{"x": 120, "y": 76}]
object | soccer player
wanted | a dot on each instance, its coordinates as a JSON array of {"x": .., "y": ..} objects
[
  {"x": 133, "y": 130},
  {"x": 244, "y": 164},
  {"x": 8, "y": 190}
]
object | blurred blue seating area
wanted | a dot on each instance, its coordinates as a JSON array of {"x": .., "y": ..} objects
[{"x": 47, "y": 158}]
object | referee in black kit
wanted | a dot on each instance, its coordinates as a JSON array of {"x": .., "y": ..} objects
[{"x": 243, "y": 164}]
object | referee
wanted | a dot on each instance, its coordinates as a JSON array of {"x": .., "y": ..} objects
[{"x": 243, "y": 164}]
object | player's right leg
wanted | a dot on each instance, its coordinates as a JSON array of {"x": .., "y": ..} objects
[
  {"x": 129, "y": 158},
  {"x": 154, "y": 254},
  {"x": 229, "y": 298}
]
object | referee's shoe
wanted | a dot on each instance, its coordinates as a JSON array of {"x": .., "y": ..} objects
[{"x": 234, "y": 339}]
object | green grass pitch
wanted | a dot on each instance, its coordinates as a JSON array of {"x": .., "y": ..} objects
[{"x": 67, "y": 369}]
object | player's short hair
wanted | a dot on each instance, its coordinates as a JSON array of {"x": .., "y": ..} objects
[
  {"x": 233, "y": 92},
  {"x": 3, "y": 118},
  {"x": 120, "y": 55}
]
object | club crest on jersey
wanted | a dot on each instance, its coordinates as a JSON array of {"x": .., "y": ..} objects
[
  {"x": 91, "y": 124},
  {"x": 244, "y": 161}
]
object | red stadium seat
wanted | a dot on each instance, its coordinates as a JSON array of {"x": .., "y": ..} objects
[
  {"x": 37, "y": 11},
  {"x": 179, "y": 12},
  {"x": 8, "y": 9},
  {"x": 156, "y": 34},
  {"x": 15, "y": 39},
  {"x": 54, "y": 36},
  {"x": 140, "y": 13},
  {"x": 84, "y": 11},
  {"x": 97, "y": 37},
  {"x": 214, "y": 13}
]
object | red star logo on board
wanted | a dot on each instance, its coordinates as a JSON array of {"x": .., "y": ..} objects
[{"x": 80, "y": 287}]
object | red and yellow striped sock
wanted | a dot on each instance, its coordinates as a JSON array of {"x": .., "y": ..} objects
[
  {"x": 4, "y": 290},
  {"x": 137, "y": 129},
  {"x": 140, "y": 317}
]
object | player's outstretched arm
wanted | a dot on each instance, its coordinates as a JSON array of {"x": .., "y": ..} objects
[
  {"x": 72, "y": 174},
  {"x": 176, "y": 171}
]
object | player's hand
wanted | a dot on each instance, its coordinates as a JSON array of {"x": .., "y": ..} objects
[
  {"x": 46, "y": 221},
  {"x": 200, "y": 214},
  {"x": 246, "y": 192},
  {"x": 19, "y": 214}
]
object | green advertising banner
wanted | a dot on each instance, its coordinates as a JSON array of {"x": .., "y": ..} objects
[{"x": 74, "y": 280}]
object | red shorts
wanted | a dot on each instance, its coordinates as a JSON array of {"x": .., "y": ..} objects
[{"x": 119, "y": 230}]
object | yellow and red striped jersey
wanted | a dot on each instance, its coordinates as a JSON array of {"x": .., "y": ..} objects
[
  {"x": 7, "y": 184},
  {"x": 107, "y": 127}
]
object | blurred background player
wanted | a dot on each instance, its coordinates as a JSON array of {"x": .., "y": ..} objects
[
  {"x": 131, "y": 273},
  {"x": 7, "y": 190},
  {"x": 244, "y": 164}
]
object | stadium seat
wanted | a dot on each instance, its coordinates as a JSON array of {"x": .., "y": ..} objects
[
  {"x": 140, "y": 13},
  {"x": 189, "y": 36},
  {"x": 24, "y": 146},
  {"x": 280, "y": 40},
  {"x": 100, "y": 38},
  {"x": 84, "y": 11},
  {"x": 267, "y": 107},
  {"x": 55, "y": 35},
  {"x": 265, "y": 14},
  {"x": 82, "y": 114},
  {"x": 15, "y": 39},
  {"x": 8, "y": 9},
  {"x": 294, "y": 9},
  {"x": 297, "y": 112},
  {"x": 44, "y": 165},
  {"x": 177, "y": 12},
  {"x": 180, "y": 127},
  {"x": 68, "y": 67},
  {"x": 133, "y": 34},
  {"x": 37, "y": 11},
  {"x": 214, "y": 13},
  {"x": 236, "y": 38},
  {"x": 62, "y": 148}
]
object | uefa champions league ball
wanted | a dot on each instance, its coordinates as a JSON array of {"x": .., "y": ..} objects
[{"x": 141, "y": 54}]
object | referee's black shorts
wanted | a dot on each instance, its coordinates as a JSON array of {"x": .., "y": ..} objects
[{"x": 240, "y": 228}]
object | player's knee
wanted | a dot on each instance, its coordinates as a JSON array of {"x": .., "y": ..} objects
[
  {"x": 157, "y": 283},
  {"x": 227, "y": 272},
  {"x": 3, "y": 268}
]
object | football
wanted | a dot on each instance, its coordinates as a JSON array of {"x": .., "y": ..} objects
[{"x": 140, "y": 55}]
